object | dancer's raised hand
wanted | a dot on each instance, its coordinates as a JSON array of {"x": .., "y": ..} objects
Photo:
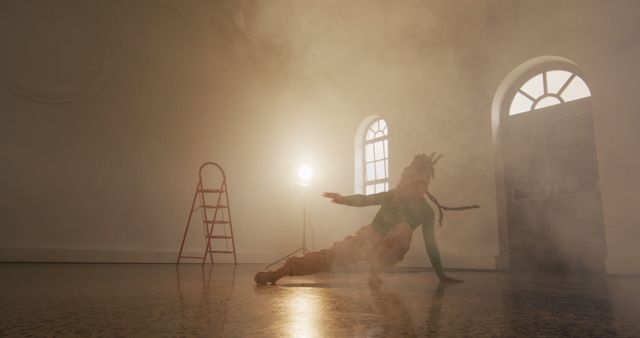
[{"x": 335, "y": 197}]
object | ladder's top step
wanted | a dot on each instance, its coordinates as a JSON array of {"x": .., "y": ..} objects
[
  {"x": 211, "y": 190},
  {"x": 217, "y": 222},
  {"x": 216, "y": 206},
  {"x": 218, "y": 236}
]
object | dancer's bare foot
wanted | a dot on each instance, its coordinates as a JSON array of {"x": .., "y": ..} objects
[{"x": 265, "y": 277}]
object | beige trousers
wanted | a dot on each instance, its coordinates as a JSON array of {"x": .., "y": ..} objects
[{"x": 366, "y": 245}]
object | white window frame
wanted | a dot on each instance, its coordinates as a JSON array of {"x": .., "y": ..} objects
[
  {"x": 533, "y": 92},
  {"x": 372, "y": 133}
]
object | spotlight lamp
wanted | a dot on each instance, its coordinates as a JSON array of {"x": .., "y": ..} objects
[{"x": 304, "y": 179}]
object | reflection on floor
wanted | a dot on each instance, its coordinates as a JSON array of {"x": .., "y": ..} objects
[{"x": 136, "y": 300}]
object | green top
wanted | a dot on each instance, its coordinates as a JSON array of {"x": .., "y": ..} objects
[{"x": 395, "y": 209}]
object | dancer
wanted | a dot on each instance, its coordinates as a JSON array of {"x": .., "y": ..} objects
[{"x": 385, "y": 241}]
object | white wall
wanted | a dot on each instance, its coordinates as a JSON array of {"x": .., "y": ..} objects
[{"x": 260, "y": 87}]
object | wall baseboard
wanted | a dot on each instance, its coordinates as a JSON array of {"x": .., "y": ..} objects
[
  {"x": 25, "y": 255},
  {"x": 475, "y": 262},
  {"x": 615, "y": 265},
  {"x": 483, "y": 262}
]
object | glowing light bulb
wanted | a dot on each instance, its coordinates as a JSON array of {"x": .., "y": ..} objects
[{"x": 305, "y": 174}]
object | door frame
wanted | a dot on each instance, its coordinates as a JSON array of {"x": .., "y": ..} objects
[{"x": 499, "y": 112}]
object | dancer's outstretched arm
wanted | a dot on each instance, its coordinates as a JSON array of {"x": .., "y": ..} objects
[{"x": 358, "y": 200}]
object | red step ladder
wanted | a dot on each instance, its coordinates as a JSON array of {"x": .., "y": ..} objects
[{"x": 221, "y": 216}]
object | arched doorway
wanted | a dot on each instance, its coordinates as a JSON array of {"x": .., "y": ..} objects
[{"x": 550, "y": 205}]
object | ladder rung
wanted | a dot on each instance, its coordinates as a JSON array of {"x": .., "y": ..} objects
[
  {"x": 210, "y": 190},
  {"x": 217, "y": 222},
  {"x": 218, "y": 251},
  {"x": 218, "y": 236},
  {"x": 194, "y": 257},
  {"x": 215, "y": 206}
]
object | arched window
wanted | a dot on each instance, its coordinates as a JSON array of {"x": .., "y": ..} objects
[
  {"x": 547, "y": 89},
  {"x": 376, "y": 157}
]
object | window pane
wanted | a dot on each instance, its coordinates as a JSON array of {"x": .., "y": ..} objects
[
  {"x": 520, "y": 104},
  {"x": 383, "y": 126},
  {"x": 380, "y": 172},
  {"x": 370, "y": 135},
  {"x": 386, "y": 168},
  {"x": 380, "y": 187},
  {"x": 368, "y": 152},
  {"x": 371, "y": 174},
  {"x": 534, "y": 86},
  {"x": 556, "y": 79},
  {"x": 378, "y": 150},
  {"x": 547, "y": 101},
  {"x": 385, "y": 144},
  {"x": 577, "y": 89},
  {"x": 369, "y": 189},
  {"x": 386, "y": 186}
]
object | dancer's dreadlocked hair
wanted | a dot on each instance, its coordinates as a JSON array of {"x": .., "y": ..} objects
[{"x": 423, "y": 164}]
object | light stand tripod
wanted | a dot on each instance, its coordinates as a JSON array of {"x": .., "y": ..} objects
[{"x": 303, "y": 249}]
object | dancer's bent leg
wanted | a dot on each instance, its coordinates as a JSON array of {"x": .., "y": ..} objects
[{"x": 390, "y": 251}]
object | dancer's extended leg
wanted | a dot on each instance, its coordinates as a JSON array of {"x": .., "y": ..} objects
[{"x": 359, "y": 247}]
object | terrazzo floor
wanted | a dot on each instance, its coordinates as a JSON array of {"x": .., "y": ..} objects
[{"x": 164, "y": 300}]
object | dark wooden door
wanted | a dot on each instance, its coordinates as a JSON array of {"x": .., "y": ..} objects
[{"x": 554, "y": 210}]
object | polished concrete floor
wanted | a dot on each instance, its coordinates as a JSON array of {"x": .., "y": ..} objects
[{"x": 141, "y": 300}]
